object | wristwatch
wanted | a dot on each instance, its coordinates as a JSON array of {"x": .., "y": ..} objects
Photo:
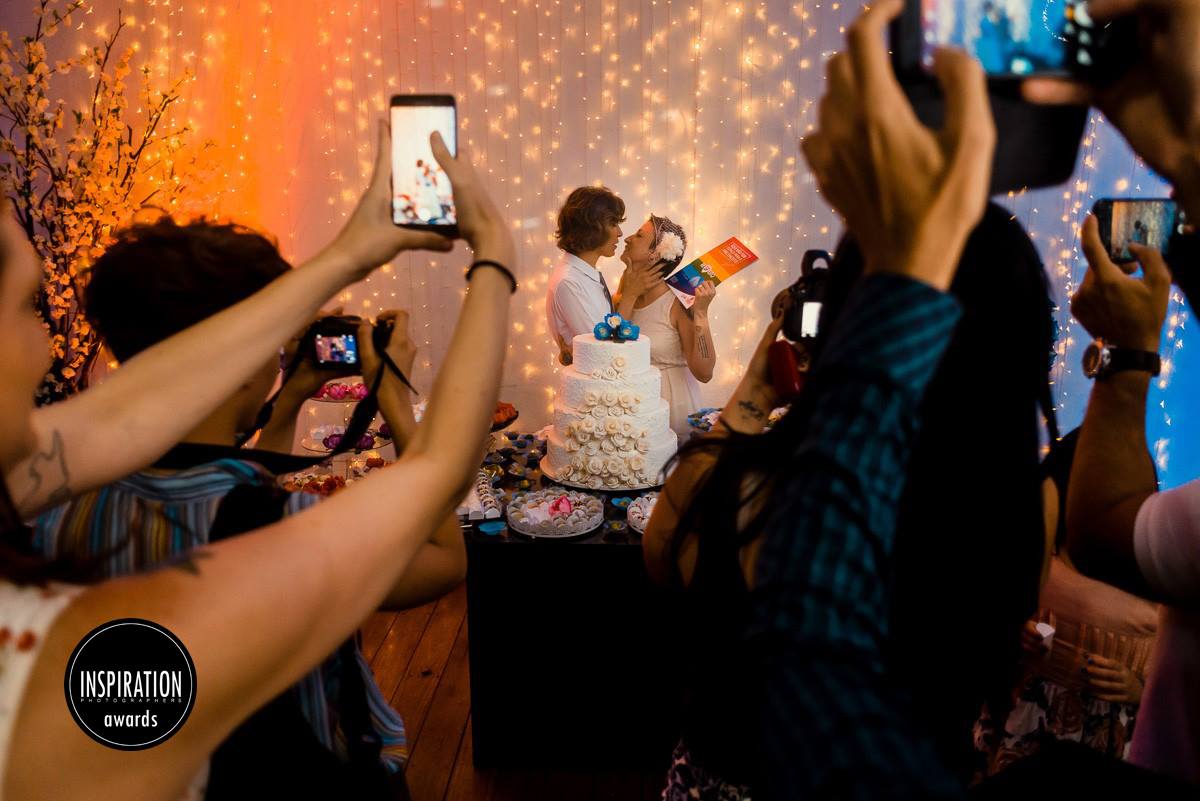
[{"x": 1101, "y": 361}]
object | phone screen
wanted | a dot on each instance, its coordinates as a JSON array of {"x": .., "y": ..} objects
[
  {"x": 340, "y": 349},
  {"x": 421, "y": 191},
  {"x": 1011, "y": 37},
  {"x": 1145, "y": 222},
  {"x": 810, "y": 318}
]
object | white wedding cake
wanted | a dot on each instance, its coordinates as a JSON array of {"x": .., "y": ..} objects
[{"x": 612, "y": 428}]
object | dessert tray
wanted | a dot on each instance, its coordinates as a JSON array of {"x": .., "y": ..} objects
[
  {"x": 640, "y": 510},
  {"x": 555, "y": 514}
]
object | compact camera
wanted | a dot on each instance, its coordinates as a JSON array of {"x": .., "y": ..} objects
[{"x": 332, "y": 342}]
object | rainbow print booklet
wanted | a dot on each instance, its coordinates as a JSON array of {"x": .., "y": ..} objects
[{"x": 716, "y": 265}]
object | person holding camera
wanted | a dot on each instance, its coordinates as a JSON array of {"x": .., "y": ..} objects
[
  {"x": 158, "y": 280},
  {"x": 259, "y": 611},
  {"x": 791, "y": 598}
]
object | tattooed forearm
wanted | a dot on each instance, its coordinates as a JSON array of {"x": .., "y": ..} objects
[
  {"x": 702, "y": 345},
  {"x": 751, "y": 409},
  {"x": 48, "y": 474}
]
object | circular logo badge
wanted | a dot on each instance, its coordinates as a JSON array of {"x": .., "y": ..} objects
[{"x": 130, "y": 684}]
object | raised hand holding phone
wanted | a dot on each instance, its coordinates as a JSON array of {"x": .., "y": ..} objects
[
  {"x": 1156, "y": 102},
  {"x": 909, "y": 194},
  {"x": 369, "y": 239}
]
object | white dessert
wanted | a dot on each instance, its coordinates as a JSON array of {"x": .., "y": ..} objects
[{"x": 611, "y": 425}]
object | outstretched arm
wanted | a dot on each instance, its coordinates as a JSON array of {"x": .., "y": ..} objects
[
  {"x": 1112, "y": 475},
  {"x": 162, "y": 393},
  {"x": 258, "y": 611}
]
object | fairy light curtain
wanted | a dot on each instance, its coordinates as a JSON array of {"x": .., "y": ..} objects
[{"x": 686, "y": 109}]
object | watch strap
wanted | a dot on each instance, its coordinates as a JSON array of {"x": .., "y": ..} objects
[{"x": 1122, "y": 359}]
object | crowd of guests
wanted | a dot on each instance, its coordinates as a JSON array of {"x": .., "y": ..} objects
[{"x": 887, "y": 595}]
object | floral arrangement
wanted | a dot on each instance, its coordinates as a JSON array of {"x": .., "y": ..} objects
[
  {"x": 74, "y": 175},
  {"x": 616, "y": 328}
]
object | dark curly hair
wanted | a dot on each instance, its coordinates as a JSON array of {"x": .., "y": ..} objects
[
  {"x": 159, "y": 278},
  {"x": 584, "y": 218}
]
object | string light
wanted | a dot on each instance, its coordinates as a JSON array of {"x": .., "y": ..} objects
[{"x": 686, "y": 108}]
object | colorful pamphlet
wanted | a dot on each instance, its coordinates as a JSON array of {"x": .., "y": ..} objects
[{"x": 716, "y": 265}]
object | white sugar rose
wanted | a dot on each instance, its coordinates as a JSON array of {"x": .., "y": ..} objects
[
  {"x": 637, "y": 463},
  {"x": 582, "y": 436},
  {"x": 619, "y": 439},
  {"x": 615, "y": 411},
  {"x": 608, "y": 447},
  {"x": 591, "y": 398},
  {"x": 587, "y": 425},
  {"x": 592, "y": 448},
  {"x": 615, "y": 465},
  {"x": 572, "y": 445},
  {"x": 610, "y": 374},
  {"x": 627, "y": 428},
  {"x": 643, "y": 446},
  {"x": 612, "y": 481},
  {"x": 612, "y": 426},
  {"x": 595, "y": 465},
  {"x": 610, "y": 397},
  {"x": 598, "y": 374},
  {"x": 598, "y": 412},
  {"x": 627, "y": 400},
  {"x": 596, "y": 483},
  {"x": 619, "y": 362},
  {"x": 577, "y": 462}
]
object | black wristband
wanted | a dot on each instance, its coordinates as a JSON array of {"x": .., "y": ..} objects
[{"x": 495, "y": 264}]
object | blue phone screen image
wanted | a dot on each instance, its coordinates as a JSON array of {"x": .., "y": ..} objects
[{"x": 1009, "y": 37}]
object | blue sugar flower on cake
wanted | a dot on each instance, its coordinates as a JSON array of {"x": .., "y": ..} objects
[{"x": 617, "y": 329}]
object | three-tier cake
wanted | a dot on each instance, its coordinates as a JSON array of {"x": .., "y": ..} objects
[{"x": 612, "y": 428}]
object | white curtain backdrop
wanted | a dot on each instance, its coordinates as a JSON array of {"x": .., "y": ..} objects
[{"x": 687, "y": 108}]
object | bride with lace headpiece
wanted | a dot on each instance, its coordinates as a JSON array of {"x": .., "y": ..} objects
[{"x": 681, "y": 341}]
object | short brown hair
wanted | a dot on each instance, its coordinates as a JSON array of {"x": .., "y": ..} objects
[
  {"x": 584, "y": 219},
  {"x": 159, "y": 278}
]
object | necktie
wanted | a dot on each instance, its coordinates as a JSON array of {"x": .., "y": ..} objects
[{"x": 607, "y": 294}]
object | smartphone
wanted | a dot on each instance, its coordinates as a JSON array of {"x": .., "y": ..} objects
[
  {"x": 422, "y": 196},
  {"x": 1146, "y": 221},
  {"x": 1017, "y": 38}
]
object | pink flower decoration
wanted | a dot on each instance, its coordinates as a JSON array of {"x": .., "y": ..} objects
[
  {"x": 336, "y": 391},
  {"x": 358, "y": 391},
  {"x": 561, "y": 507}
]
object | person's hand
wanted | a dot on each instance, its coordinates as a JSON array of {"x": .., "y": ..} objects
[
  {"x": 369, "y": 238},
  {"x": 1032, "y": 641},
  {"x": 307, "y": 378},
  {"x": 479, "y": 222},
  {"x": 1109, "y": 680},
  {"x": 758, "y": 373},
  {"x": 400, "y": 347},
  {"x": 910, "y": 196},
  {"x": 637, "y": 281},
  {"x": 704, "y": 297},
  {"x": 1123, "y": 311},
  {"x": 1156, "y": 102}
]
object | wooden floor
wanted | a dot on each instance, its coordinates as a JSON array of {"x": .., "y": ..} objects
[{"x": 420, "y": 661}]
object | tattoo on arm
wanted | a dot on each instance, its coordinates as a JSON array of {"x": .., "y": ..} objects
[
  {"x": 48, "y": 473},
  {"x": 702, "y": 344},
  {"x": 751, "y": 409}
]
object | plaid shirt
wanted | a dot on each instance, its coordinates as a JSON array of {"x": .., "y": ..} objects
[{"x": 830, "y": 724}]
